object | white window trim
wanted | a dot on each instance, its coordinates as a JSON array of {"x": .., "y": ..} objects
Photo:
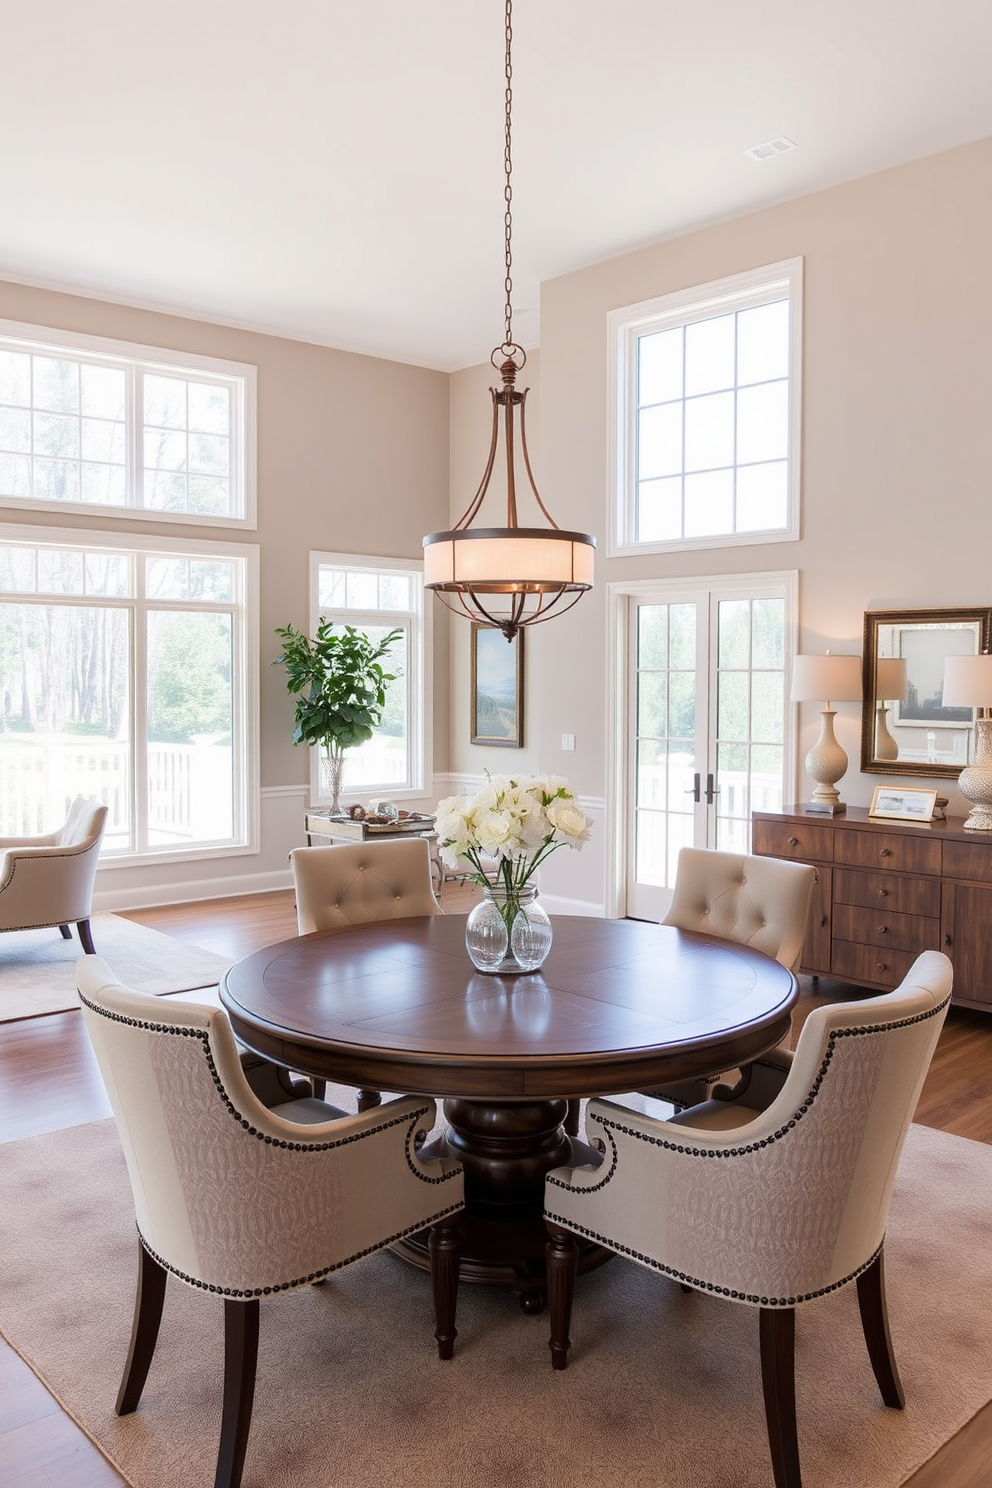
[
  {"x": 735, "y": 292},
  {"x": 421, "y": 701},
  {"x": 245, "y": 671},
  {"x": 730, "y": 586},
  {"x": 50, "y": 341}
]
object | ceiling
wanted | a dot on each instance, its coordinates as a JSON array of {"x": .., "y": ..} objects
[{"x": 333, "y": 172}]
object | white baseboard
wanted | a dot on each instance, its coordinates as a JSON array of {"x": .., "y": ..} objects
[
  {"x": 187, "y": 892},
  {"x": 557, "y": 904}
]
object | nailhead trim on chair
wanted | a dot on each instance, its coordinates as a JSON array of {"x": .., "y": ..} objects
[
  {"x": 286, "y": 1286},
  {"x": 724, "y": 1152},
  {"x": 200, "y": 1033},
  {"x": 14, "y": 857},
  {"x": 707, "y": 1286}
]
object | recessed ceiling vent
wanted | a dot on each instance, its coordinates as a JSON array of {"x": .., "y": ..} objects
[{"x": 770, "y": 148}]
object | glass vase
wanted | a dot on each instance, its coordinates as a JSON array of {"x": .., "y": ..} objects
[{"x": 508, "y": 932}]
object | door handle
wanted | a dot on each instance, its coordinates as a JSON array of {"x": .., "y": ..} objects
[
  {"x": 711, "y": 794},
  {"x": 693, "y": 791}
]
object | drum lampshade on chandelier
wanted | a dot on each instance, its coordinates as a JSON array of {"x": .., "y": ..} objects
[{"x": 505, "y": 578}]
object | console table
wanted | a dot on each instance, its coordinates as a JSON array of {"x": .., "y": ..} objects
[
  {"x": 328, "y": 829},
  {"x": 889, "y": 890}
]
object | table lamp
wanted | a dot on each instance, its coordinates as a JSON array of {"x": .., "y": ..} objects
[
  {"x": 890, "y": 686},
  {"x": 968, "y": 683},
  {"x": 818, "y": 679}
]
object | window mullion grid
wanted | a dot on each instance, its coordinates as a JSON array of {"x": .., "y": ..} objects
[
  {"x": 135, "y": 436},
  {"x": 682, "y": 479},
  {"x": 139, "y": 704}
]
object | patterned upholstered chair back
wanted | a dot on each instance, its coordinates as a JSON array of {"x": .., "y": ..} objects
[
  {"x": 215, "y": 1173},
  {"x": 761, "y": 902},
  {"x": 355, "y": 882}
]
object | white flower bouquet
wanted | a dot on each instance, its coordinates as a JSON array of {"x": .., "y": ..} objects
[{"x": 519, "y": 822}]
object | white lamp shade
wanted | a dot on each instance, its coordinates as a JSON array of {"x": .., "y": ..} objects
[
  {"x": 890, "y": 678},
  {"x": 967, "y": 682},
  {"x": 821, "y": 679}
]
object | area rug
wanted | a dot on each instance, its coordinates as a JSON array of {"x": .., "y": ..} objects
[
  {"x": 663, "y": 1387},
  {"x": 38, "y": 967}
]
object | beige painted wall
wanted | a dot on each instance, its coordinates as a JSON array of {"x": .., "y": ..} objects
[
  {"x": 352, "y": 457},
  {"x": 897, "y": 459}
]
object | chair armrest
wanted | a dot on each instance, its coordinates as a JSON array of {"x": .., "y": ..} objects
[
  {"x": 49, "y": 839},
  {"x": 47, "y": 885}
]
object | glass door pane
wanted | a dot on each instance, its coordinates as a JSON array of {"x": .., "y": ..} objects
[
  {"x": 665, "y": 728},
  {"x": 750, "y": 716}
]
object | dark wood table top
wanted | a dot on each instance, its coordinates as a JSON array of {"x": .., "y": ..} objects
[{"x": 618, "y": 1005}]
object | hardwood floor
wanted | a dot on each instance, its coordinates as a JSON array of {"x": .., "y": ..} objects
[{"x": 49, "y": 1080}]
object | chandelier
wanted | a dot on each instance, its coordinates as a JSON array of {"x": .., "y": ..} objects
[{"x": 505, "y": 578}]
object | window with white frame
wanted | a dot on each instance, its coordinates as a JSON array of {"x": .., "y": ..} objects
[
  {"x": 376, "y": 596},
  {"x": 707, "y": 387},
  {"x": 127, "y": 673},
  {"x": 98, "y": 425}
]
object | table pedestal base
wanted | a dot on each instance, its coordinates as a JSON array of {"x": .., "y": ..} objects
[{"x": 506, "y": 1149}]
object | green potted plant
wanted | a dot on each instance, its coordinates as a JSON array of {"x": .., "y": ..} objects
[{"x": 340, "y": 689}]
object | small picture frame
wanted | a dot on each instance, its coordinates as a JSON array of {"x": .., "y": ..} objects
[
  {"x": 497, "y": 688},
  {"x": 903, "y": 803}
]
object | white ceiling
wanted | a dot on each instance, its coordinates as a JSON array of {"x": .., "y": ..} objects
[{"x": 333, "y": 172}]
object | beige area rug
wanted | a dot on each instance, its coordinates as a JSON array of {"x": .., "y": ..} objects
[
  {"x": 663, "y": 1387},
  {"x": 38, "y": 967}
]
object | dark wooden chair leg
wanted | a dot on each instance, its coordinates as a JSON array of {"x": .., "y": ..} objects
[
  {"x": 562, "y": 1259},
  {"x": 445, "y": 1246},
  {"x": 369, "y": 1099},
  {"x": 240, "y": 1359},
  {"x": 777, "y": 1328},
  {"x": 319, "y": 1088},
  {"x": 875, "y": 1324},
  {"x": 149, "y": 1296},
  {"x": 572, "y": 1118},
  {"x": 66, "y": 932},
  {"x": 85, "y": 937}
]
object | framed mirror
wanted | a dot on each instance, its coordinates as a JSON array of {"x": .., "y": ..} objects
[{"x": 905, "y": 727}]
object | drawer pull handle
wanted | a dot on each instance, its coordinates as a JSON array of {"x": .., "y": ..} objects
[
  {"x": 883, "y": 929},
  {"x": 885, "y": 852},
  {"x": 882, "y": 966},
  {"x": 947, "y": 940},
  {"x": 793, "y": 841},
  {"x": 823, "y": 919},
  {"x": 883, "y": 893}
]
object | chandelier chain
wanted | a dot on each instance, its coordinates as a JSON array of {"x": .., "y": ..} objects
[{"x": 508, "y": 169}]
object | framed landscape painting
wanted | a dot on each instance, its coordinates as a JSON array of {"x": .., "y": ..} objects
[{"x": 497, "y": 688}]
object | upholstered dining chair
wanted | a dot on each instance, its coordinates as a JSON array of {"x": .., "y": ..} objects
[
  {"x": 755, "y": 901},
  {"x": 769, "y": 1206},
  {"x": 242, "y": 1201},
  {"x": 353, "y": 883},
  {"x": 48, "y": 880}
]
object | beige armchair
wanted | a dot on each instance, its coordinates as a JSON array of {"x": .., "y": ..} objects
[
  {"x": 755, "y": 901},
  {"x": 242, "y": 1201},
  {"x": 768, "y": 1206},
  {"x": 353, "y": 883},
  {"x": 48, "y": 880}
]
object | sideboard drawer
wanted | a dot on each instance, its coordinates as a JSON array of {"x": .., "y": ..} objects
[
  {"x": 896, "y": 893},
  {"x": 869, "y": 966},
  {"x": 968, "y": 860},
  {"x": 810, "y": 844},
  {"x": 891, "y": 851},
  {"x": 885, "y": 930}
]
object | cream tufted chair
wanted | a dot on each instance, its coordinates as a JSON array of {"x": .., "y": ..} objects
[
  {"x": 761, "y": 902},
  {"x": 48, "y": 880},
  {"x": 768, "y": 1205},
  {"x": 356, "y": 882},
  {"x": 242, "y": 1201}
]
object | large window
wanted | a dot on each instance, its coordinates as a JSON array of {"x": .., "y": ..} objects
[
  {"x": 707, "y": 427},
  {"x": 99, "y": 425},
  {"x": 376, "y": 596},
  {"x": 127, "y": 673}
]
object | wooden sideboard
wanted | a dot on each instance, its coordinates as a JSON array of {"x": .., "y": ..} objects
[{"x": 887, "y": 891}]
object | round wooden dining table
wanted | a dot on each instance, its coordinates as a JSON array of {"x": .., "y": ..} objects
[{"x": 619, "y": 1005}]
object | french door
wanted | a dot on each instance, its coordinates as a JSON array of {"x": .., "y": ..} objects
[{"x": 706, "y": 729}]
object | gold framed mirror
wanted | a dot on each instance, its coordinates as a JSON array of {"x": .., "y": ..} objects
[{"x": 905, "y": 727}]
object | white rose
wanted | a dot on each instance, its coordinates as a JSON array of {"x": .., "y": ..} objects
[
  {"x": 497, "y": 834},
  {"x": 569, "y": 819}
]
